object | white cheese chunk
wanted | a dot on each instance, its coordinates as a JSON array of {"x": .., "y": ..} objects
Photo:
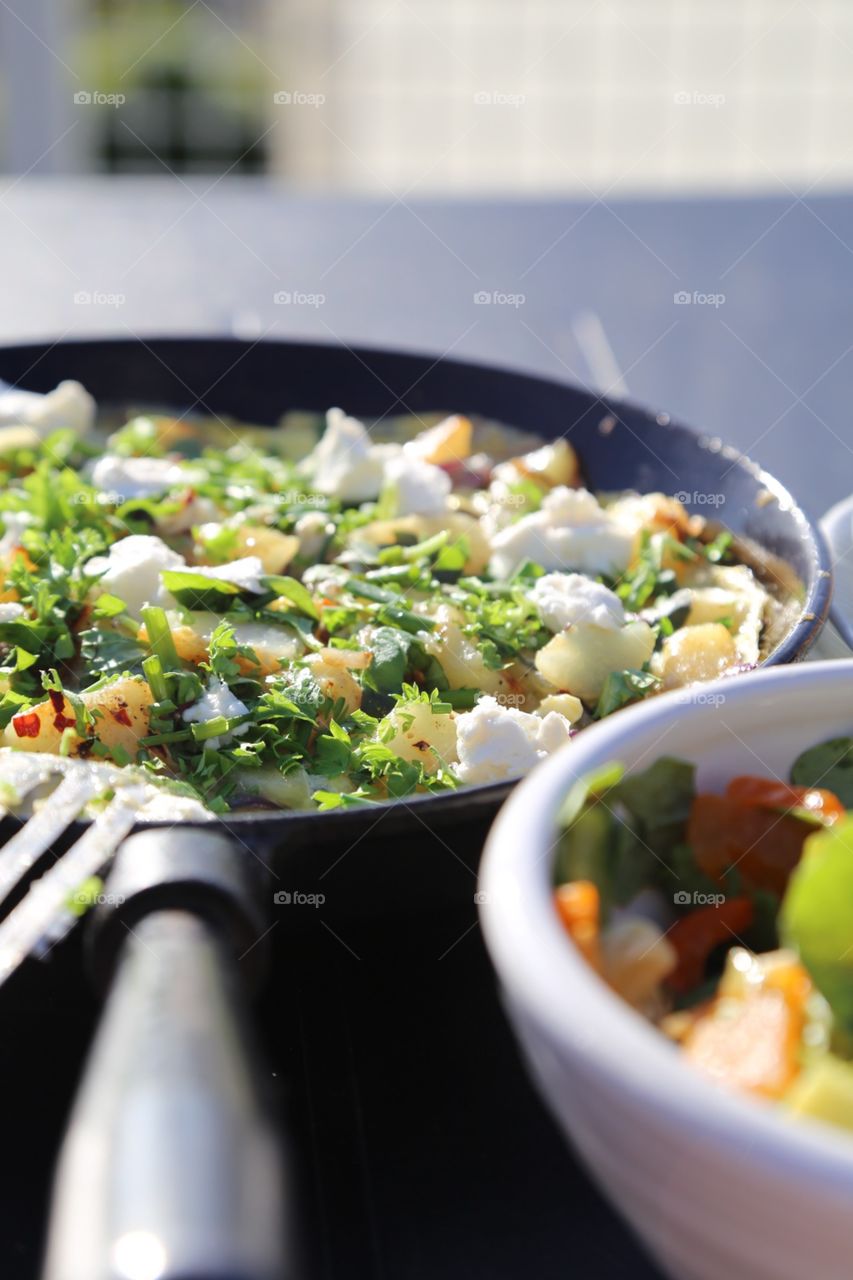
[
  {"x": 10, "y": 610},
  {"x": 345, "y": 463},
  {"x": 570, "y": 531},
  {"x": 68, "y": 405},
  {"x": 132, "y": 571},
  {"x": 418, "y": 488},
  {"x": 136, "y": 477},
  {"x": 564, "y": 599},
  {"x": 246, "y": 573},
  {"x": 217, "y": 700},
  {"x": 495, "y": 743}
]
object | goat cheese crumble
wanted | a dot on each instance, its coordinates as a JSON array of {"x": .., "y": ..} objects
[
  {"x": 495, "y": 742},
  {"x": 132, "y": 568},
  {"x": 571, "y": 530},
  {"x": 217, "y": 700},
  {"x": 418, "y": 488},
  {"x": 565, "y": 599},
  {"x": 68, "y": 405},
  {"x": 136, "y": 477}
]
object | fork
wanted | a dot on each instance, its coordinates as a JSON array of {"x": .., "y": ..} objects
[{"x": 170, "y": 1167}]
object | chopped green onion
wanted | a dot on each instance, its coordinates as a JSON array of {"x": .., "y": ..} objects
[{"x": 160, "y": 638}]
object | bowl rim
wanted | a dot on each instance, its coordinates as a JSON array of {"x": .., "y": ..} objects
[{"x": 548, "y": 980}]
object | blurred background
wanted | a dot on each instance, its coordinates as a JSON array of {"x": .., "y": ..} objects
[{"x": 567, "y": 97}]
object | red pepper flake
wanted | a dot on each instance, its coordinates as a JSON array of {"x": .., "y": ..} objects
[
  {"x": 60, "y": 721},
  {"x": 121, "y": 716},
  {"x": 26, "y": 726}
]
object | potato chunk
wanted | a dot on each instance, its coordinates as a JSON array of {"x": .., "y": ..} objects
[
  {"x": 422, "y": 736},
  {"x": 448, "y": 441},
  {"x": 121, "y": 710},
  {"x": 330, "y": 668},
  {"x": 695, "y": 654},
  {"x": 274, "y": 549},
  {"x": 580, "y": 659}
]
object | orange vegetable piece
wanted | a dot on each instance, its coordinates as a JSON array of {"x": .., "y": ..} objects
[
  {"x": 696, "y": 935},
  {"x": 579, "y": 907},
  {"x": 750, "y": 1044},
  {"x": 764, "y": 845},
  {"x": 767, "y": 793}
]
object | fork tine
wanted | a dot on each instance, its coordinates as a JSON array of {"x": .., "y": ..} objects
[
  {"x": 16, "y": 784},
  {"x": 27, "y": 845},
  {"x": 25, "y": 926}
]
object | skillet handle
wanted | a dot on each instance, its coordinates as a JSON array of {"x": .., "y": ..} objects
[{"x": 170, "y": 1168}]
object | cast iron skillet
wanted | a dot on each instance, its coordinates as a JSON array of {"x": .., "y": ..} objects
[
  {"x": 169, "y": 1144},
  {"x": 620, "y": 447}
]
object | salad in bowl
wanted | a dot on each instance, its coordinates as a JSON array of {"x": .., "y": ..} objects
[
  {"x": 748, "y": 964},
  {"x": 321, "y": 616},
  {"x": 672, "y": 935}
]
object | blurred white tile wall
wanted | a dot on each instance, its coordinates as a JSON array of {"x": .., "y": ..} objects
[{"x": 563, "y": 95}]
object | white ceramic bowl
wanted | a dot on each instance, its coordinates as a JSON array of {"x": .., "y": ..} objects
[{"x": 719, "y": 1187}]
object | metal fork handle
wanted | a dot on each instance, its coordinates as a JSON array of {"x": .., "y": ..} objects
[{"x": 170, "y": 1168}]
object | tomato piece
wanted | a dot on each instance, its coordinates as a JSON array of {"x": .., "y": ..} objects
[
  {"x": 767, "y": 793},
  {"x": 762, "y": 844},
  {"x": 696, "y": 935}
]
